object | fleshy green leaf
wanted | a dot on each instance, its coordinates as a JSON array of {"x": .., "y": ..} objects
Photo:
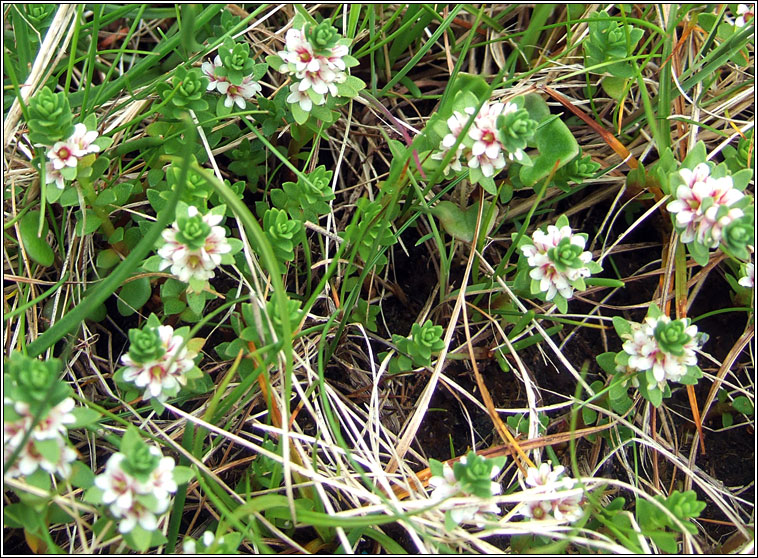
[{"x": 37, "y": 247}]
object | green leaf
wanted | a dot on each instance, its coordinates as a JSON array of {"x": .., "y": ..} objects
[
  {"x": 37, "y": 247},
  {"x": 81, "y": 475},
  {"x": 88, "y": 225},
  {"x": 107, "y": 259},
  {"x": 743, "y": 405},
  {"x": 20, "y": 515},
  {"x": 196, "y": 302},
  {"x": 614, "y": 86},
  {"x": 555, "y": 142},
  {"x": 140, "y": 540},
  {"x": 84, "y": 417},
  {"x": 589, "y": 416},
  {"x": 183, "y": 475},
  {"x": 300, "y": 116},
  {"x": 49, "y": 449},
  {"x": 622, "y": 326},
  {"x": 134, "y": 295}
]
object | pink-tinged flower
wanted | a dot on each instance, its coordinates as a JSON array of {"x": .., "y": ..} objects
[
  {"x": 557, "y": 258},
  {"x": 484, "y": 131},
  {"x": 199, "y": 263},
  {"x": 29, "y": 460},
  {"x": 52, "y": 426},
  {"x": 209, "y": 69},
  {"x": 645, "y": 352},
  {"x": 119, "y": 487},
  {"x": 744, "y": 14},
  {"x": 487, "y": 151},
  {"x": 239, "y": 94},
  {"x": 137, "y": 514},
  {"x": 334, "y": 61},
  {"x": 81, "y": 141},
  {"x": 53, "y": 175},
  {"x": 544, "y": 476},
  {"x": 299, "y": 52},
  {"x": 62, "y": 155},
  {"x": 321, "y": 81},
  {"x": 162, "y": 378},
  {"x": 161, "y": 482},
  {"x": 697, "y": 219},
  {"x": 13, "y": 432},
  {"x": 748, "y": 280}
]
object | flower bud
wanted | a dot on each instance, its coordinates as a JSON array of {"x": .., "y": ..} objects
[
  {"x": 145, "y": 345},
  {"x": 50, "y": 118},
  {"x": 322, "y": 37},
  {"x": 192, "y": 231},
  {"x": 671, "y": 336}
]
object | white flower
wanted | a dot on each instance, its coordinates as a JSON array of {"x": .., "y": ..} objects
[
  {"x": 302, "y": 98},
  {"x": 744, "y": 13},
  {"x": 334, "y": 61},
  {"x": 81, "y": 141},
  {"x": 187, "y": 263},
  {"x": 136, "y": 514},
  {"x": 455, "y": 124},
  {"x": 53, "y": 425},
  {"x": 552, "y": 279},
  {"x": 54, "y": 175},
  {"x": 693, "y": 221},
  {"x": 646, "y": 354},
  {"x": 162, "y": 378},
  {"x": 62, "y": 155},
  {"x": 299, "y": 52},
  {"x": 558, "y": 500},
  {"x": 209, "y": 69},
  {"x": 322, "y": 81},
  {"x": 748, "y": 280},
  {"x": 544, "y": 476},
  {"x": 161, "y": 482},
  {"x": 239, "y": 94}
]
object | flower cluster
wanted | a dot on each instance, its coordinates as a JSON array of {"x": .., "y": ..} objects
[
  {"x": 662, "y": 345},
  {"x": 558, "y": 261},
  {"x": 32, "y": 388},
  {"x": 556, "y": 499},
  {"x": 482, "y": 148},
  {"x": 194, "y": 245},
  {"x": 703, "y": 205},
  {"x": 470, "y": 477},
  {"x": 47, "y": 447},
  {"x": 137, "y": 487},
  {"x": 316, "y": 57},
  {"x": 238, "y": 93},
  {"x": 157, "y": 361}
]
